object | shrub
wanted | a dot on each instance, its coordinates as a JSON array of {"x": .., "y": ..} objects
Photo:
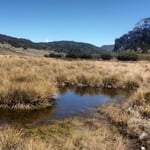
[
  {"x": 86, "y": 56},
  {"x": 46, "y": 55},
  {"x": 72, "y": 55},
  {"x": 127, "y": 56},
  {"x": 144, "y": 56},
  {"x": 54, "y": 55},
  {"x": 106, "y": 56},
  {"x": 110, "y": 81},
  {"x": 79, "y": 55},
  {"x": 96, "y": 56}
]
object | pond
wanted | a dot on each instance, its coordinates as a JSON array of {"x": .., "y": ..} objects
[{"x": 70, "y": 102}]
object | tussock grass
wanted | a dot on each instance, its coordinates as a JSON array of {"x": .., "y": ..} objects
[
  {"x": 24, "y": 83},
  {"x": 140, "y": 101},
  {"x": 131, "y": 118},
  {"x": 28, "y": 79},
  {"x": 65, "y": 135},
  {"x": 13, "y": 139}
]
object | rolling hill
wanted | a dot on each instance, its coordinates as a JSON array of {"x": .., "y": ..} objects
[
  {"x": 108, "y": 48},
  {"x": 57, "y": 46}
]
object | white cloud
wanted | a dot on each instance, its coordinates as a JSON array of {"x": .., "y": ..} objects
[{"x": 46, "y": 41}]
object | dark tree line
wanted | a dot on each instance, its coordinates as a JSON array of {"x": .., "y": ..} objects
[{"x": 104, "y": 56}]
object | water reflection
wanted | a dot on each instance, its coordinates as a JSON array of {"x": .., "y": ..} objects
[
  {"x": 25, "y": 118},
  {"x": 70, "y": 102},
  {"x": 80, "y": 90},
  {"x": 95, "y": 91}
]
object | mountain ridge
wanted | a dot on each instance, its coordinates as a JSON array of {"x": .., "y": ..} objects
[
  {"x": 58, "y": 46},
  {"x": 108, "y": 48}
]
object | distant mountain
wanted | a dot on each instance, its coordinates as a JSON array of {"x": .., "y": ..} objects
[
  {"x": 138, "y": 39},
  {"x": 58, "y": 46},
  {"x": 18, "y": 42},
  {"x": 108, "y": 48},
  {"x": 72, "y": 47}
]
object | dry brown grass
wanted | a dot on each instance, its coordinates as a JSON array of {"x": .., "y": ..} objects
[
  {"x": 6, "y": 49},
  {"x": 12, "y": 139},
  {"x": 26, "y": 79},
  {"x": 23, "y": 81},
  {"x": 67, "y": 135},
  {"x": 132, "y": 118}
]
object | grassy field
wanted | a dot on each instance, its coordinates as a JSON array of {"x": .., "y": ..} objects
[
  {"x": 25, "y": 81},
  {"x": 6, "y": 49},
  {"x": 29, "y": 82}
]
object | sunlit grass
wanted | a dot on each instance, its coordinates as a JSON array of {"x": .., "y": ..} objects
[
  {"x": 27, "y": 79},
  {"x": 63, "y": 135}
]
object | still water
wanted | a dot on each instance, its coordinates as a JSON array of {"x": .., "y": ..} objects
[{"x": 70, "y": 102}]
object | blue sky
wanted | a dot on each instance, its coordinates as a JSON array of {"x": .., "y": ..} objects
[{"x": 93, "y": 21}]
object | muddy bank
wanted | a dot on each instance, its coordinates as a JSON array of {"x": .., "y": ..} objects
[
  {"x": 33, "y": 105},
  {"x": 127, "y": 85}
]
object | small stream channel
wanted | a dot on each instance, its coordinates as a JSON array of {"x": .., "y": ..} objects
[{"x": 70, "y": 102}]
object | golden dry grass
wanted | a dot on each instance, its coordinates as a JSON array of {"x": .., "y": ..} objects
[
  {"x": 27, "y": 79},
  {"x": 12, "y": 139},
  {"x": 67, "y": 135},
  {"x": 132, "y": 118}
]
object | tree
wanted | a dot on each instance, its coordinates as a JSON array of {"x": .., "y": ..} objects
[
  {"x": 143, "y": 24},
  {"x": 137, "y": 39}
]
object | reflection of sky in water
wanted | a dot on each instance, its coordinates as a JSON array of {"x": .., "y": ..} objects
[{"x": 70, "y": 102}]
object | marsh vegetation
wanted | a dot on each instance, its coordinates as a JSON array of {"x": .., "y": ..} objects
[{"x": 31, "y": 83}]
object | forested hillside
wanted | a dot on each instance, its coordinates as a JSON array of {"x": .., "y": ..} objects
[{"x": 58, "y": 46}]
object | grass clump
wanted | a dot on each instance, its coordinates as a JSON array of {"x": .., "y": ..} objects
[
  {"x": 14, "y": 139},
  {"x": 131, "y": 84},
  {"x": 141, "y": 102},
  {"x": 110, "y": 82},
  {"x": 11, "y": 139},
  {"x": 26, "y": 95}
]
